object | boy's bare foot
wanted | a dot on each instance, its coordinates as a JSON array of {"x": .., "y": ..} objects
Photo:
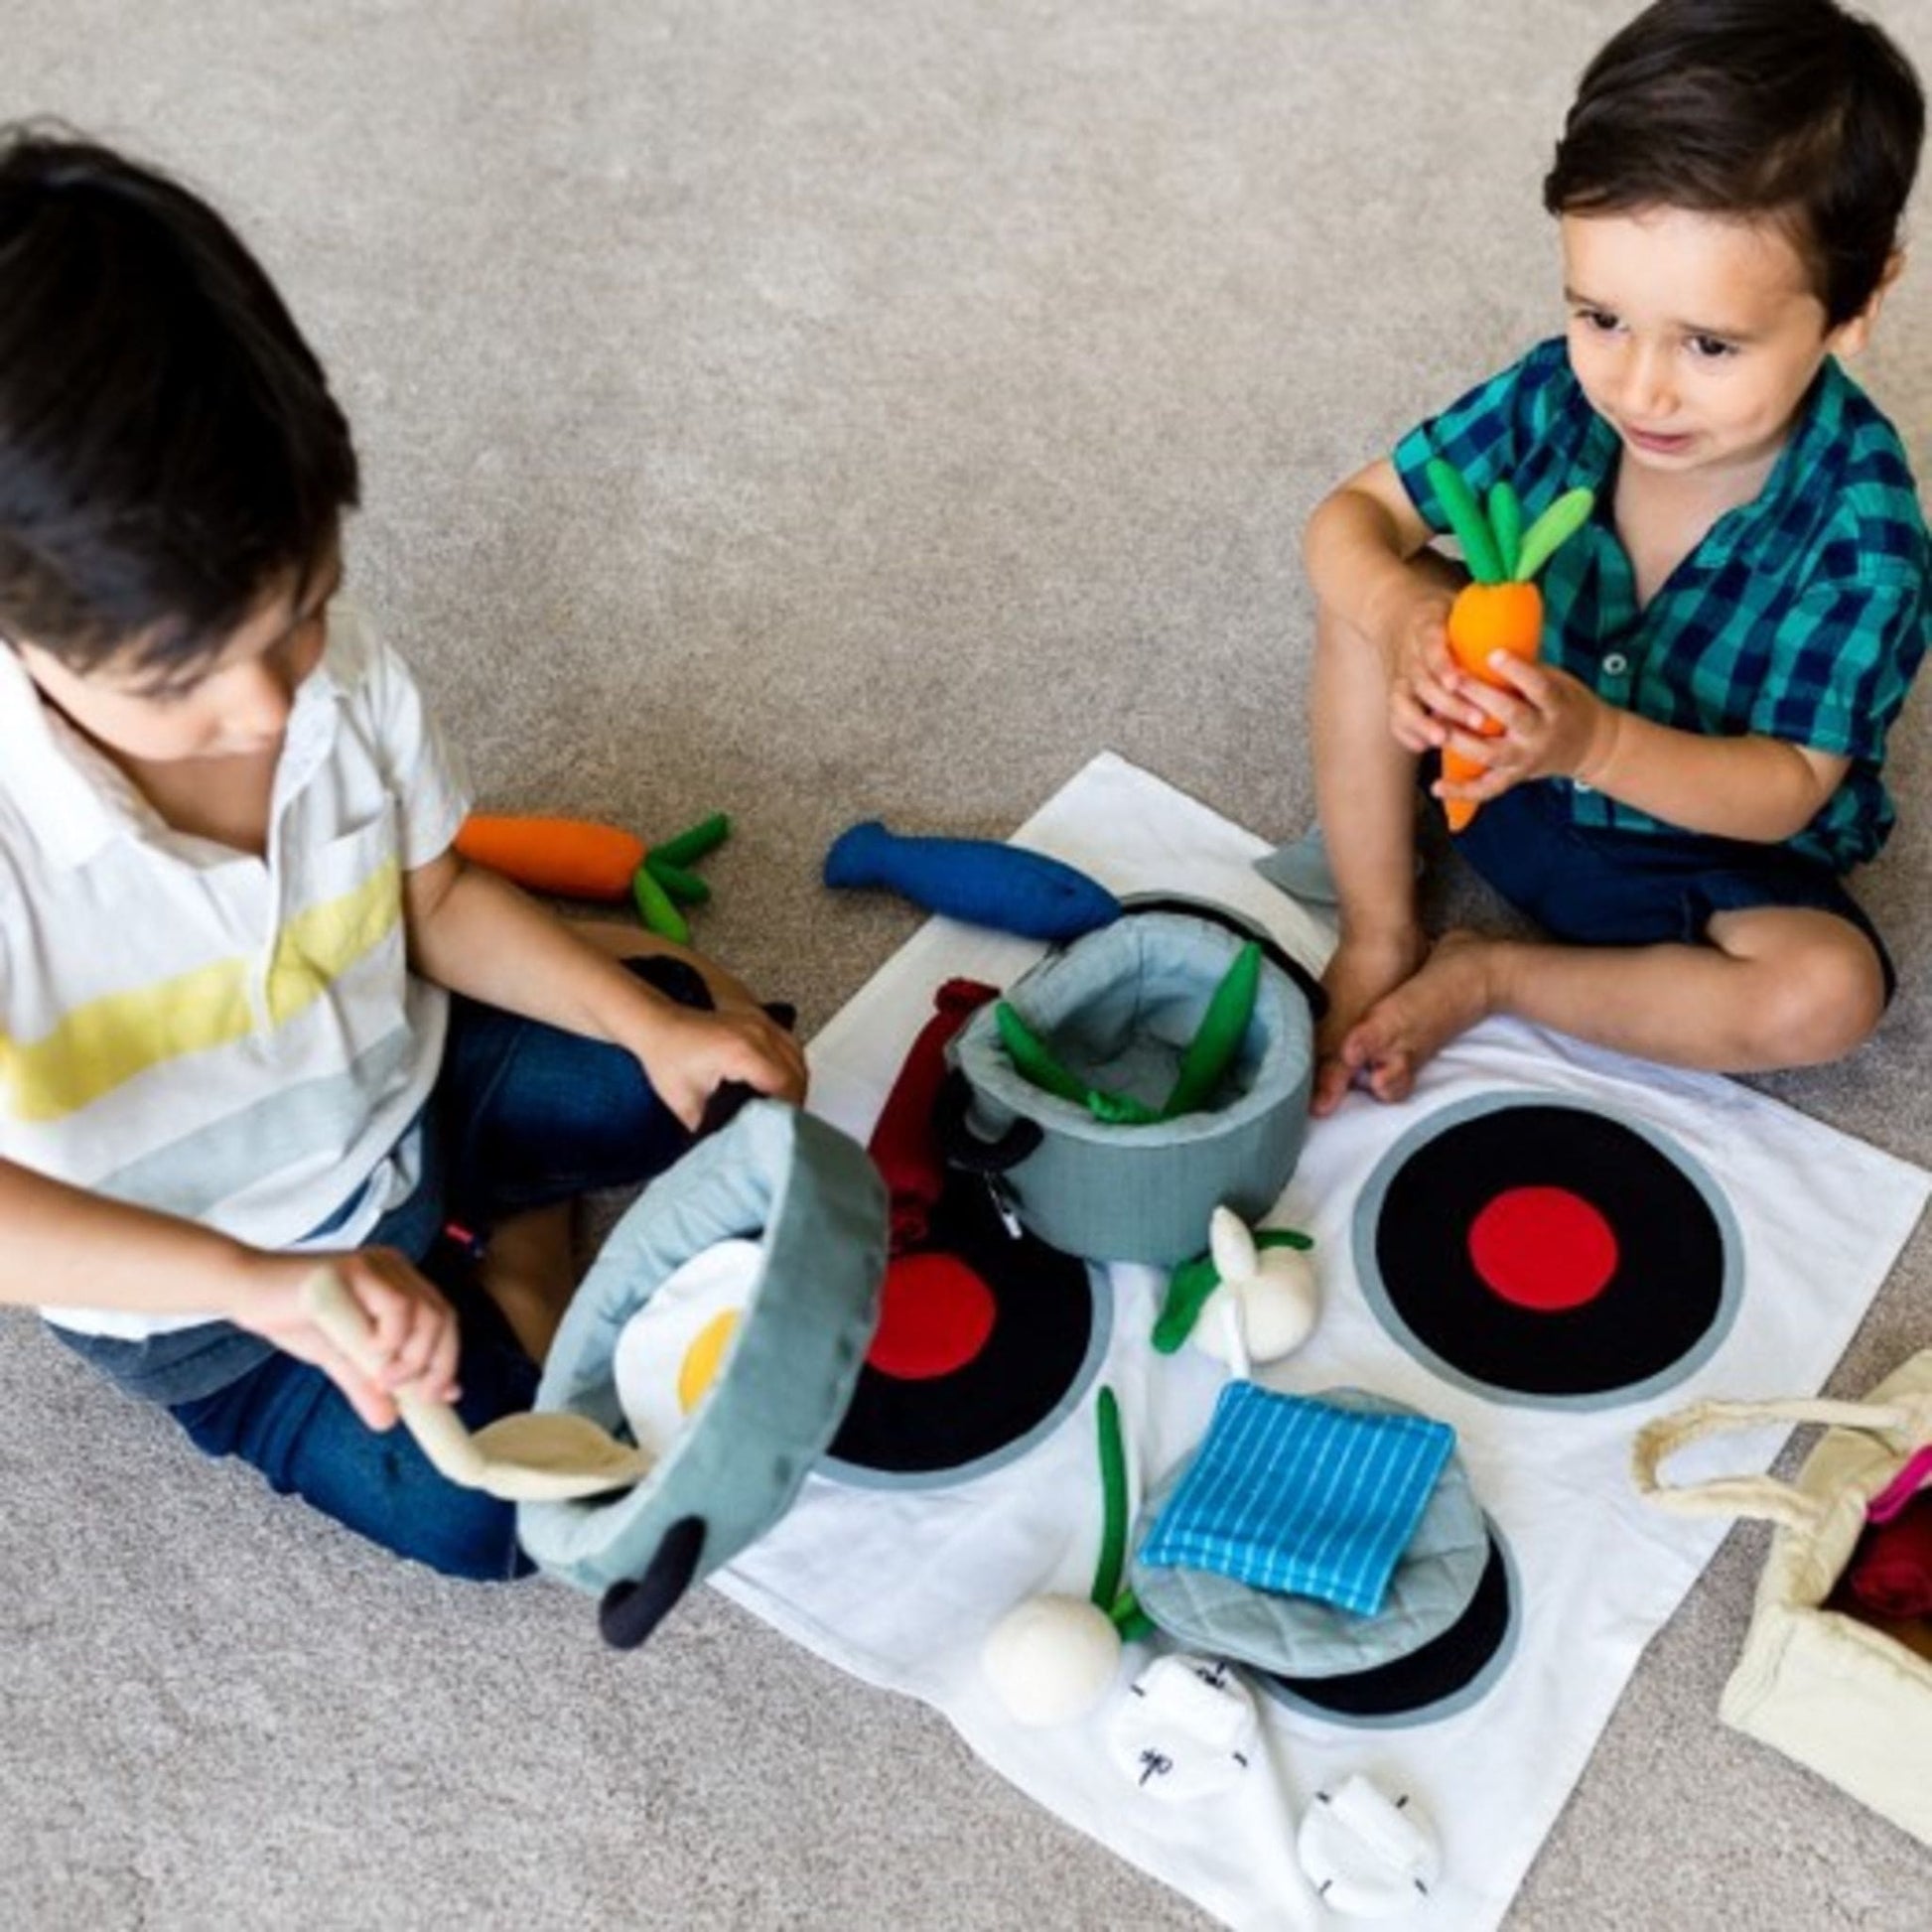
[
  {"x": 1406, "y": 1029},
  {"x": 1360, "y": 972}
]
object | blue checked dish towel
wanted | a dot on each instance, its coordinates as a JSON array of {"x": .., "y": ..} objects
[{"x": 1300, "y": 1496}]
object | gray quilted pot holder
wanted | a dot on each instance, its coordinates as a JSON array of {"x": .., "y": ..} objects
[{"x": 1298, "y": 1636}]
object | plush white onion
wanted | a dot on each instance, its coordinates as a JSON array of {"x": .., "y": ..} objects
[{"x": 1051, "y": 1659}]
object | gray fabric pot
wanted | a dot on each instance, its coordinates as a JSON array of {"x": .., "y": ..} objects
[
  {"x": 816, "y": 1203},
  {"x": 1118, "y": 1007}
]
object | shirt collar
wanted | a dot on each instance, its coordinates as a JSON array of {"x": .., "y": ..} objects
[
  {"x": 76, "y": 799},
  {"x": 73, "y": 799}
]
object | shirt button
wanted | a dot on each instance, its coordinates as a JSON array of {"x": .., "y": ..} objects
[
  {"x": 1577, "y": 785},
  {"x": 1616, "y": 663}
]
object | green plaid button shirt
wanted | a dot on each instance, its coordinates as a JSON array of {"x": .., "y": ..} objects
[{"x": 1802, "y": 615}]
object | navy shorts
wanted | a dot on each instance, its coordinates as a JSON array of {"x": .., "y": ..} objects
[{"x": 1598, "y": 886}]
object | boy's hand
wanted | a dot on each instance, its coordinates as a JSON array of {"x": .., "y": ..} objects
[
  {"x": 415, "y": 1328},
  {"x": 1423, "y": 705},
  {"x": 688, "y": 1052},
  {"x": 1554, "y": 726}
]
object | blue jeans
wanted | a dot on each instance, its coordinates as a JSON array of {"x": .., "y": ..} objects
[{"x": 522, "y": 1115}]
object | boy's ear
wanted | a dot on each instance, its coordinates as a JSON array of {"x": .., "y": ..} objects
[{"x": 1855, "y": 332}]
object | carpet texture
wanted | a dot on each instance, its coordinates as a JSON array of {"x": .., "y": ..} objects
[{"x": 823, "y": 413}]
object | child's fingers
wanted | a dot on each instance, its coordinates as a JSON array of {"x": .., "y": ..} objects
[
  {"x": 423, "y": 1357},
  {"x": 1411, "y": 727},
  {"x": 414, "y": 1328},
  {"x": 1480, "y": 702},
  {"x": 1458, "y": 703},
  {"x": 710, "y": 1048},
  {"x": 1439, "y": 694},
  {"x": 1485, "y": 779},
  {"x": 1524, "y": 676},
  {"x": 766, "y": 1055},
  {"x": 777, "y": 1071},
  {"x": 426, "y": 1363}
]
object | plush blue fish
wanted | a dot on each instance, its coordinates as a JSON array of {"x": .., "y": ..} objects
[{"x": 979, "y": 880}]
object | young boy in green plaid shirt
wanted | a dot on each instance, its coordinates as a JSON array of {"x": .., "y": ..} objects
[{"x": 1683, "y": 778}]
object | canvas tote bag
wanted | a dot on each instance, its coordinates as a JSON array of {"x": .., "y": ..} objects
[{"x": 1824, "y": 1688}]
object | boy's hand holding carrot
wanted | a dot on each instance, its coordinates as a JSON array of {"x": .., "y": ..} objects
[
  {"x": 1424, "y": 705},
  {"x": 1495, "y": 622},
  {"x": 1544, "y": 724}
]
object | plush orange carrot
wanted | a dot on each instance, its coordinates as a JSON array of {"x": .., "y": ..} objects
[
  {"x": 577, "y": 858},
  {"x": 1502, "y": 609},
  {"x": 571, "y": 856}
]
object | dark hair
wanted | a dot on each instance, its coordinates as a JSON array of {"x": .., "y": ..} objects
[
  {"x": 1789, "y": 108},
  {"x": 169, "y": 447}
]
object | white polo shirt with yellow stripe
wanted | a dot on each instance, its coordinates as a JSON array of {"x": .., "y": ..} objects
[{"x": 186, "y": 1027}]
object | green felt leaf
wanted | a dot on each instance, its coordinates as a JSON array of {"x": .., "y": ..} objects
[
  {"x": 1555, "y": 527},
  {"x": 1121, "y": 1109},
  {"x": 1191, "y": 1283},
  {"x": 1037, "y": 1064},
  {"x": 684, "y": 888},
  {"x": 1216, "y": 1042},
  {"x": 1506, "y": 520},
  {"x": 1189, "y": 1287},
  {"x": 656, "y": 909},
  {"x": 1283, "y": 1238},
  {"x": 1467, "y": 519},
  {"x": 1032, "y": 1060},
  {"x": 694, "y": 841}
]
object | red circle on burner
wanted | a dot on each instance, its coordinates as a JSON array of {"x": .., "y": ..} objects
[
  {"x": 1543, "y": 1248},
  {"x": 935, "y": 1315}
]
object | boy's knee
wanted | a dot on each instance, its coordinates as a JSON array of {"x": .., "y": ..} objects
[{"x": 1821, "y": 1004}]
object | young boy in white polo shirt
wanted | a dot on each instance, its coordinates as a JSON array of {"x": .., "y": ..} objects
[{"x": 230, "y": 919}]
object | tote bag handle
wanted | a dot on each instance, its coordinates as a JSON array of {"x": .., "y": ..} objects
[{"x": 1762, "y": 1496}]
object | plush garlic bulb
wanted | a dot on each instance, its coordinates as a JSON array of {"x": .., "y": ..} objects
[{"x": 1275, "y": 1287}]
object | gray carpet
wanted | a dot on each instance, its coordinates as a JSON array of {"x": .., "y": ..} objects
[{"x": 820, "y": 411}]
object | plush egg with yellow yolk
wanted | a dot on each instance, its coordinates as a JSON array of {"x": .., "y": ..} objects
[{"x": 669, "y": 1352}]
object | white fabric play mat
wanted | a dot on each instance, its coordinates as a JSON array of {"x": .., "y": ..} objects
[{"x": 896, "y": 1574}]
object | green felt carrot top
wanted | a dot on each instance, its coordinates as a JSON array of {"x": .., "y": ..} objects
[{"x": 1495, "y": 545}]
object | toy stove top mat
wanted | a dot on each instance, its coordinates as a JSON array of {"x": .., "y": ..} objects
[{"x": 1724, "y": 1245}]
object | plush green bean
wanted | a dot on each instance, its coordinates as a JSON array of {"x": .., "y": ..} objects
[{"x": 1112, "y": 1492}]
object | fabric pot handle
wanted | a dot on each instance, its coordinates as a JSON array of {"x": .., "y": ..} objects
[
  {"x": 964, "y": 1148},
  {"x": 630, "y": 1612},
  {"x": 1761, "y": 1497}
]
